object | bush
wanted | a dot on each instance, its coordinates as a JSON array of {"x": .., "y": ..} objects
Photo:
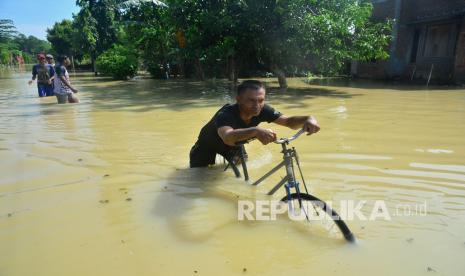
[
  {"x": 119, "y": 62},
  {"x": 156, "y": 70},
  {"x": 4, "y": 56}
]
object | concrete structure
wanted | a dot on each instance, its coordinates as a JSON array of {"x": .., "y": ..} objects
[{"x": 428, "y": 39}]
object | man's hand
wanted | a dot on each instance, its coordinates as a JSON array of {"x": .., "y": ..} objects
[
  {"x": 74, "y": 90},
  {"x": 311, "y": 126},
  {"x": 265, "y": 136}
]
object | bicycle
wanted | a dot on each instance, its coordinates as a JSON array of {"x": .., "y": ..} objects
[{"x": 295, "y": 198}]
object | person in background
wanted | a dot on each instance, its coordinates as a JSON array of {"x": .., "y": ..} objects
[
  {"x": 50, "y": 60},
  {"x": 64, "y": 91},
  {"x": 45, "y": 76}
]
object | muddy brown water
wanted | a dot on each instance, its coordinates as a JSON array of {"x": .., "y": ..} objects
[{"x": 102, "y": 187}]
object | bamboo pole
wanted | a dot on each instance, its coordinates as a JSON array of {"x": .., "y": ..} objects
[
  {"x": 413, "y": 73},
  {"x": 430, "y": 73}
]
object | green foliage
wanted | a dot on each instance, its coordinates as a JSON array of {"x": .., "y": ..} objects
[
  {"x": 217, "y": 38},
  {"x": 7, "y": 30},
  {"x": 334, "y": 32},
  {"x": 98, "y": 22},
  {"x": 286, "y": 35},
  {"x": 87, "y": 36},
  {"x": 31, "y": 44},
  {"x": 4, "y": 54},
  {"x": 120, "y": 62},
  {"x": 149, "y": 29},
  {"x": 14, "y": 45},
  {"x": 62, "y": 36}
]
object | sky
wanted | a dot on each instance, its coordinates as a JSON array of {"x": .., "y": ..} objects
[{"x": 33, "y": 17}]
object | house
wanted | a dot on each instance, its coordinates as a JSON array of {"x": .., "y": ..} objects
[{"x": 428, "y": 40}]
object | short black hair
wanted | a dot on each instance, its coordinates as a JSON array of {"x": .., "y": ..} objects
[
  {"x": 249, "y": 84},
  {"x": 62, "y": 58}
]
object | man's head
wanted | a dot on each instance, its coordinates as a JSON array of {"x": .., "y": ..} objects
[
  {"x": 251, "y": 97},
  {"x": 41, "y": 58},
  {"x": 49, "y": 58},
  {"x": 64, "y": 60}
]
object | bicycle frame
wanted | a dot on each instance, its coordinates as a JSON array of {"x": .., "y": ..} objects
[
  {"x": 289, "y": 156},
  {"x": 290, "y": 182}
]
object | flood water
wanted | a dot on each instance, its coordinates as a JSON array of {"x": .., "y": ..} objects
[{"x": 102, "y": 187}]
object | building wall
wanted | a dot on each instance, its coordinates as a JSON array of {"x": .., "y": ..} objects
[
  {"x": 383, "y": 9},
  {"x": 429, "y": 37},
  {"x": 459, "y": 70},
  {"x": 415, "y": 10}
]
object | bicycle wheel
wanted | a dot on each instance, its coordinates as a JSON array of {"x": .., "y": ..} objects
[{"x": 312, "y": 209}]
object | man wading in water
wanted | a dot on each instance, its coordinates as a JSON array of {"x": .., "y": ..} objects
[
  {"x": 45, "y": 75},
  {"x": 239, "y": 121}
]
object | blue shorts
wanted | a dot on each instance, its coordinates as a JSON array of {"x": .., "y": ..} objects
[{"x": 45, "y": 90}]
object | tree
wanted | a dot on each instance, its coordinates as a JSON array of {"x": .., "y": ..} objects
[
  {"x": 217, "y": 38},
  {"x": 323, "y": 33},
  {"x": 334, "y": 32},
  {"x": 7, "y": 30},
  {"x": 279, "y": 35},
  {"x": 213, "y": 33},
  {"x": 31, "y": 44},
  {"x": 120, "y": 62},
  {"x": 15, "y": 46},
  {"x": 62, "y": 37},
  {"x": 65, "y": 39},
  {"x": 100, "y": 16},
  {"x": 149, "y": 30},
  {"x": 97, "y": 21},
  {"x": 87, "y": 36}
]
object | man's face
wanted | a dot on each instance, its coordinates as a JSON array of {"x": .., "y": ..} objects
[
  {"x": 251, "y": 101},
  {"x": 41, "y": 60},
  {"x": 66, "y": 62}
]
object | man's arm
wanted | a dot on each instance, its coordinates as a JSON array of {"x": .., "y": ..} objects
[
  {"x": 34, "y": 74},
  {"x": 231, "y": 136},
  {"x": 52, "y": 74},
  {"x": 308, "y": 123}
]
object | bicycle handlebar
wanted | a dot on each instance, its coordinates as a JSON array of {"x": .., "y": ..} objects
[
  {"x": 292, "y": 138},
  {"x": 280, "y": 141}
]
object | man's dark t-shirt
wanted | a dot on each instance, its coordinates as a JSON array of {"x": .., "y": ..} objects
[
  {"x": 209, "y": 143},
  {"x": 43, "y": 73}
]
